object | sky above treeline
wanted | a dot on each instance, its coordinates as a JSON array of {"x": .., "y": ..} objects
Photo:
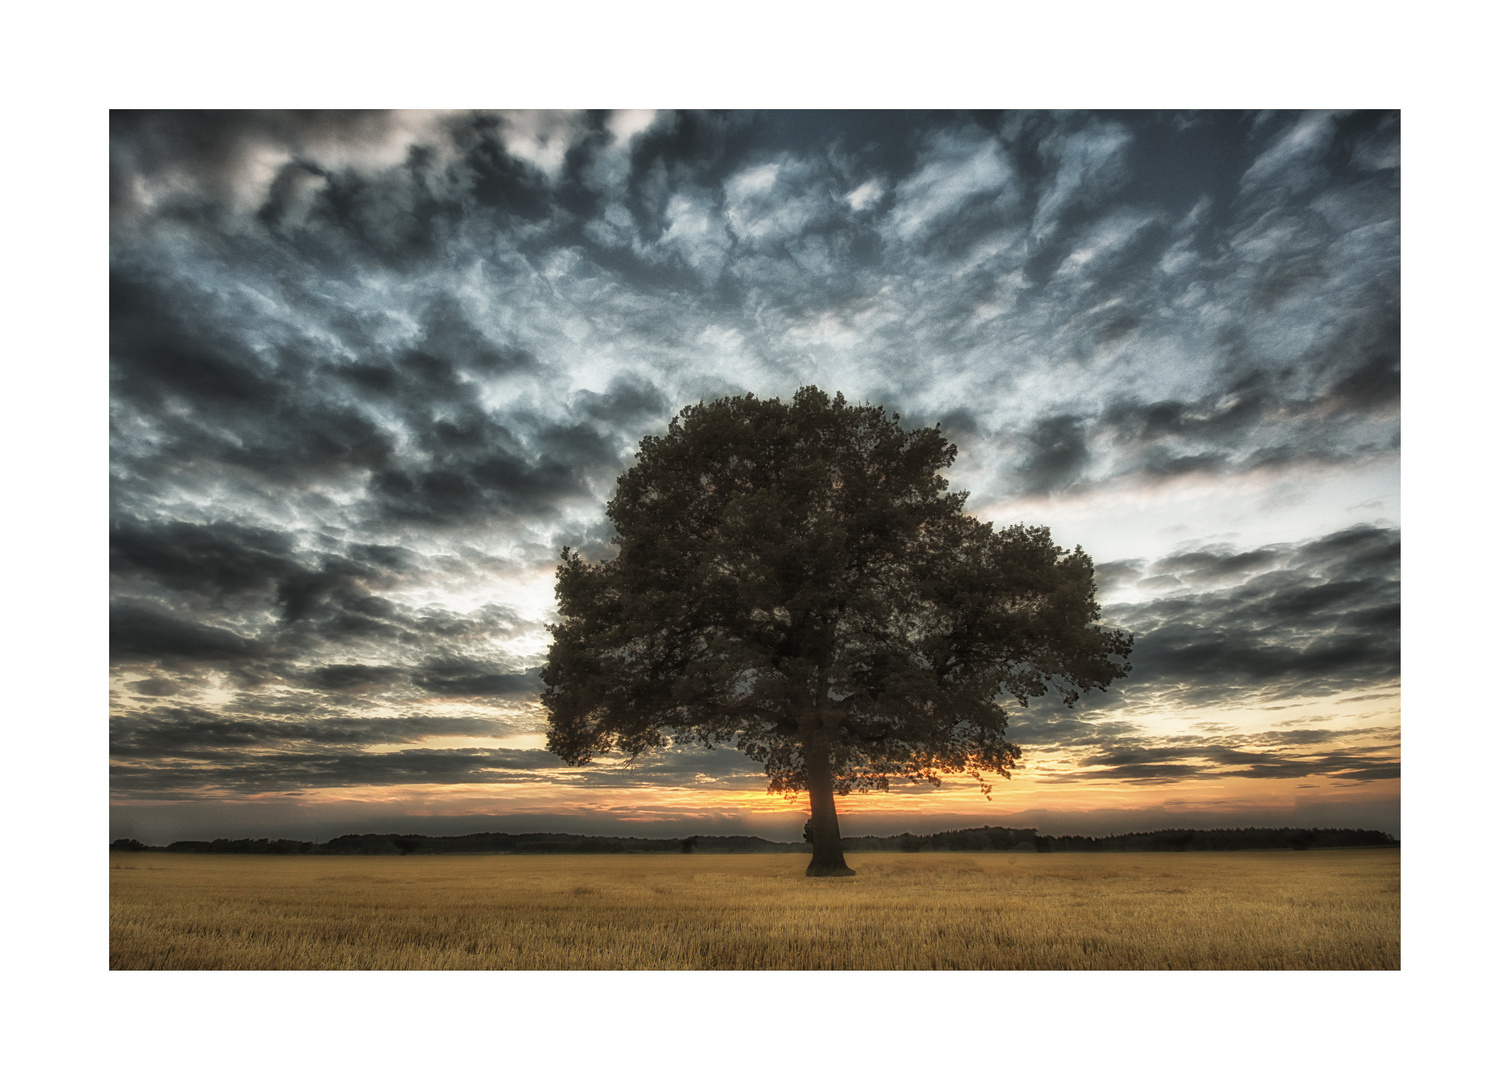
[{"x": 370, "y": 372}]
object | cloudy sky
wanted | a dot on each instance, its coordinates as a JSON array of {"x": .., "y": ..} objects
[{"x": 370, "y": 372}]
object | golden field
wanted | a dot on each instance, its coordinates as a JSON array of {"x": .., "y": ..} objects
[{"x": 1003, "y": 911}]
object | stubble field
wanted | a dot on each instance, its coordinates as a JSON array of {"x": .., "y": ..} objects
[{"x": 1002, "y": 911}]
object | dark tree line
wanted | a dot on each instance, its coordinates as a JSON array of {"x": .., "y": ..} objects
[
  {"x": 985, "y": 838},
  {"x": 1250, "y": 839},
  {"x": 473, "y": 843},
  {"x": 996, "y": 838}
]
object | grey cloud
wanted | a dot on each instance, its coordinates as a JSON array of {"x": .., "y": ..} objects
[
  {"x": 409, "y": 433},
  {"x": 1221, "y": 419},
  {"x": 675, "y": 765},
  {"x": 1212, "y": 564},
  {"x": 156, "y": 687},
  {"x": 1316, "y": 617},
  {"x": 1115, "y": 574},
  {"x": 195, "y": 749},
  {"x": 351, "y": 676},
  {"x": 243, "y": 602},
  {"x": 1363, "y": 548},
  {"x": 1291, "y": 162},
  {"x": 1087, "y": 165},
  {"x": 1219, "y": 433},
  {"x": 141, "y": 632},
  {"x": 775, "y": 202},
  {"x": 460, "y": 677},
  {"x": 252, "y": 772},
  {"x": 447, "y": 330},
  {"x": 628, "y": 401},
  {"x": 213, "y": 147},
  {"x": 1056, "y": 454},
  {"x": 1373, "y": 385},
  {"x": 215, "y": 558},
  {"x": 1044, "y": 727},
  {"x": 1371, "y": 753},
  {"x": 957, "y": 170},
  {"x": 173, "y": 732},
  {"x": 211, "y": 561}
]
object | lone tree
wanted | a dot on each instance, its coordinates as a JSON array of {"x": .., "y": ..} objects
[{"x": 796, "y": 580}]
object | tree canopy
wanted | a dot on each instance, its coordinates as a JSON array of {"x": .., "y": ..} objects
[{"x": 796, "y": 579}]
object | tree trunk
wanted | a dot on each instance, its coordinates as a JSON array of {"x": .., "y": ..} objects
[{"x": 828, "y": 854}]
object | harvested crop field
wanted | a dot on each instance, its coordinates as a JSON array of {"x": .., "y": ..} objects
[{"x": 1004, "y": 911}]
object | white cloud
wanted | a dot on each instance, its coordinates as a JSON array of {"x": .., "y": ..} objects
[
  {"x": 383, "y": 143},
  {"x": 1105, "y": 237},
  {"x": 615, "y": 228},
  {"x": 695, "y": 232},
  {"x": 365, "y": 143},
  {"x": 625, "y": 124},
  {"x": 954, "y": 172},
  {"x": 1089, "y": 162},
  {"x": 773, "y": 202},
  {"x": 542, "y": 137},
  {"x": 865, "y": 196},
  {"x": 1289, "y": 164},
  {"x": 608, "y": 170}
]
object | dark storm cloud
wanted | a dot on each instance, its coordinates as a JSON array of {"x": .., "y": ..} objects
[
  {"x": 351, "y": 677},
  {"x": 138, "y": 632},
  {"x": 1214, "y": 433},
  {"x": 447, "y": 332},
  {"x": 171, "y": 748},
  {"x": 459, "y": 677},
  {"x": 1164, "y": 764},
  {"x": 178, "y": 731},
  {"x": 166, "y": 748},
  {"x": 1226, "y": 432},
  {"x": 1319, "y": 617},
  {"x": 211, "y": 559},
  {"x": 1045, "y": 725},
  {"x": 367, "y": 369},
  {"x": 253, "y": 772},
  {"x": 404, "y": 427},
  {"x": 625, "y": 402},
  {"x": 1202, "y": 567},
  {"x": 1057, "y": 453},
  {"x": 243, "y": 602},
  {"x": 1226, "y": 625},
  {"x": 1111, "y": 575},
  {"x": 221, "y": 565},
  {"x": 208, "y": 149}
]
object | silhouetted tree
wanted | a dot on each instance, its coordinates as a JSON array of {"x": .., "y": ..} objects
[
  {"x": 807, "y": 831},
  {"x": 688, "y": 844},
  {"x": 795, "y": 579}
]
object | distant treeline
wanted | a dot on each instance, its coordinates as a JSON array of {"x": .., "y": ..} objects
[
  {"x": 995, "y": 838},
  {"x": 471, "y": 844},
  {"x": 985, "y": 838}
]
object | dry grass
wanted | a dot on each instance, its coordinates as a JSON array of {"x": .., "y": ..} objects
[{"x": 1230, "y": 910}]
